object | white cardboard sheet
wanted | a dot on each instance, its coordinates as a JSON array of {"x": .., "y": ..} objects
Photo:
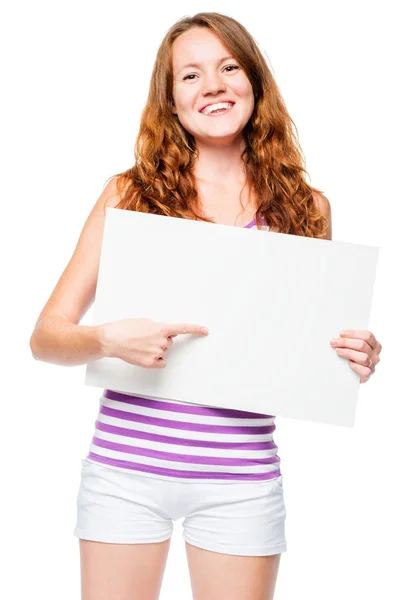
[{"x": 271, "y": 302}]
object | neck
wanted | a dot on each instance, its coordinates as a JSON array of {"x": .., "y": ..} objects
[{"x": 220, "y": 163}]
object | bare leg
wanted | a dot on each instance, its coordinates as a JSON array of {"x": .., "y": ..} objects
[
  {"x": 214, "y": 576},
  {"x": 122, "y": 571}
]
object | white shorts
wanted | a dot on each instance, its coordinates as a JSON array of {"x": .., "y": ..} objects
[{"x": 246, "y": 519}]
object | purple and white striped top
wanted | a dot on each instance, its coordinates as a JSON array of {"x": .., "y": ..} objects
[{"x": 184, "y": 442}]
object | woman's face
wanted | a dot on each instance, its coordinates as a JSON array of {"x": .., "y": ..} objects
[{"x": 211, "y": 80}]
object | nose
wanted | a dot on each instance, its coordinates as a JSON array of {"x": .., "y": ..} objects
[{"x": 213, "y": 84}]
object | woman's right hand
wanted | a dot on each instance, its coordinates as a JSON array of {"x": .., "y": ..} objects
[{"x": 142, "y": 342}]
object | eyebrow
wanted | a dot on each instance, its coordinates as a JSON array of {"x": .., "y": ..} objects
[{"x": 196, "y": 65}]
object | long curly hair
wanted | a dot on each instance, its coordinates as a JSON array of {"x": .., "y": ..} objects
[{"x": 162, "y": 179}]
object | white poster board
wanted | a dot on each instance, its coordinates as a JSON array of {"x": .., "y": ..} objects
[{"x": 270, "y": 301}]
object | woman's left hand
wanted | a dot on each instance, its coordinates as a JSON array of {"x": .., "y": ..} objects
[{"x": 361, "y": 348}]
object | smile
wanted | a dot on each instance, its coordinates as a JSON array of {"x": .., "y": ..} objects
[{"x": 218, "y": 114}]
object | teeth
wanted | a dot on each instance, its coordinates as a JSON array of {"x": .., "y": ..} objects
[{"x": 214, "y": 107}]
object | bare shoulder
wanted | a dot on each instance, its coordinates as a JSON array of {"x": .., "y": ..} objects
[
  {"x": 322, "y": 202},
  {"x": 75, "y": 290},
  {"x": 110, "y": 195},
  {"x": 324, "y": 206}
]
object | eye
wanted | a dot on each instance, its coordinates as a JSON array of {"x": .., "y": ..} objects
[{"x": 227, "y": 67}]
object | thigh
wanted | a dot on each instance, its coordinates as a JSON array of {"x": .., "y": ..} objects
[
  {"x": 234, "y": 536},
  {"x": 214, "y": 576},
  {"x": 124, "y": 533},
  {"x": 122, "y": 571}
]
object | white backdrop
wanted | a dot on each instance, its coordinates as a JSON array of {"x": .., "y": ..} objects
[{"x": 76, "y": 79}]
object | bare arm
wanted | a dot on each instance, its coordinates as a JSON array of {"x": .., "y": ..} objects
[
  {"x": 57, "y": 337},
  {"x": 57, "y": 340}
]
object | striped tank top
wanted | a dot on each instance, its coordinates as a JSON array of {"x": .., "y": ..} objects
[{"x": 181, "y": 441}]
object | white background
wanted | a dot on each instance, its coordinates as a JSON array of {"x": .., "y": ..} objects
[{"x": 75, "y": 79}]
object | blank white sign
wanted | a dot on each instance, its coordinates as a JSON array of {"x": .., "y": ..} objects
[{"x": 270, "y": 301}]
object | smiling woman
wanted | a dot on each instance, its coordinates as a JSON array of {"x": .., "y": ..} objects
[{"x": 214, "y": 126}]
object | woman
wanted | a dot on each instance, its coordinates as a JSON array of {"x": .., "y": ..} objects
[{"x": 216, "y": 144}]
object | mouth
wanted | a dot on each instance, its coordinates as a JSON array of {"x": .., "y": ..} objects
[{"x": 218, "y": 113}]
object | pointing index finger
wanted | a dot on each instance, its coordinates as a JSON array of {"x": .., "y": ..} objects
[{"x": 177, "y": 328}]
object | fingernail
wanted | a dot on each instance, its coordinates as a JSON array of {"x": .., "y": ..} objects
[
  {"x": 335, "y": 340},
  {"x": 345, "y": 332},
  {"x": 204, "y": 330}
]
